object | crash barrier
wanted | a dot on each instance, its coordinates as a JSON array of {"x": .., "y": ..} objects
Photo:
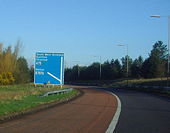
[{"x": 56, "y": 92}]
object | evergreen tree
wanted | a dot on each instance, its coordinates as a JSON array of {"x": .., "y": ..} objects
[
  {"x": 116, "y": 68},
  {"x": 124, "y": 66},
  {"x": 93, "y": 71},
  {"x": 32, "y": 73},
  {"x": 154, "y": 66},
  {"x": 21, "y": 73},
  {"x": 136, "y": 67},
  {"x": 107, "y": 71}
]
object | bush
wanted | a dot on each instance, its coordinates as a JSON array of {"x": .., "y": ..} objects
[{"x": 6, "y": 78}]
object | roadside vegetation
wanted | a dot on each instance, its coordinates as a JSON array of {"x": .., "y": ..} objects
[
  {"x": 156, "y": 85},
  {"x": 19, "y": 98},
  {"x": 162, "y": 82},
  {"x": 140, "y": 70},
  {"x": 13, "y": 67},
  {"x": 17, "y": 94}
]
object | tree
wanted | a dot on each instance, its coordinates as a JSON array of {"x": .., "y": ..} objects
[
  {"x": 21, "y": 73},
  {"x": 31, "y": 71},
  {"x": 116, "y": 69},
  {"x": 8, "y": 59},
  {"x": 83, "y": 74},
  {"x": 124, "y": 66},
  {"x": 136, "y": 68},
  {"x": 154, "y": 66},
  {"x": 93, "y": 71},
  {"x": 67, "y": 74}
]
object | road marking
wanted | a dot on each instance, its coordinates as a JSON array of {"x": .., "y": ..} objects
[{"x": 115, "y": 119}]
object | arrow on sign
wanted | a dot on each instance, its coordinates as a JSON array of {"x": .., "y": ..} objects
[
  {"x": 61, "y": 71},
  {"x": 54, "y": 76}
]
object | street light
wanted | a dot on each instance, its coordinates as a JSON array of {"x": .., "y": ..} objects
[
  {"x": 155, "y": 16},
  {"x": 100, "y": 68},
  {"x": 159, "y": 16},
  {"x": 127, "y": 61}
]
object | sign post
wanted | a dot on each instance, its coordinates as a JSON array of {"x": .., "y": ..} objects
[{"x": 49, "y": 68}]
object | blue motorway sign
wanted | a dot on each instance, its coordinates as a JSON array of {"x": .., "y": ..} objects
[{"x": 49, "y": 68}]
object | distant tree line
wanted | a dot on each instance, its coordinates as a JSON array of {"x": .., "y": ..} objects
[
  {"x": 13, "y": 68},
  {"x": 152, "y": 67}
]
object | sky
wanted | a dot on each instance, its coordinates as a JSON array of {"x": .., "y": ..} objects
[{"x": 84, "y": 29}]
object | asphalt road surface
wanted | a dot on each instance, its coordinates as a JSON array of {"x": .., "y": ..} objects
[
  {"x": 142, "y": 112},
  {"x": 90, "y": 113}
]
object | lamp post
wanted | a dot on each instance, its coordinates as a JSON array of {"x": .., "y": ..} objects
[
  {"x": 100, "y": 68},
  {"x": 159, "y": 16},
  {"x": 127, "y": 61}
]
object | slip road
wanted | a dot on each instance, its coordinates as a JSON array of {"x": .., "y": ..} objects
[{"x": 90, "y": 113}]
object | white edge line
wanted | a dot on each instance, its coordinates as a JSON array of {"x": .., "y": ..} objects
[{"x": 115, "y": 119}]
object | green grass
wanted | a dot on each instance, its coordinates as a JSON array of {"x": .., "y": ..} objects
[
  {"x": 19, "y": 98},
  {"x": 123, "y": 82},
  {"x": 139, "y": 84},
  {"x": 142, "y": 82}
]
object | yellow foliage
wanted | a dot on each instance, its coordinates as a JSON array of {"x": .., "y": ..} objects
[
  {"x": 8, "y": 61},
  {"x": 6, "y": 78}
]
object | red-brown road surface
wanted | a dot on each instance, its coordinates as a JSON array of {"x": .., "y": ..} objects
[{"x": 90, "y": 113}]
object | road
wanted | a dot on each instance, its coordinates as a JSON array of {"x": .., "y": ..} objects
[
  {"x": 93, "y": 112},
  {"x": 90, "y": 113},
  {"x": 142, "y": 112}
]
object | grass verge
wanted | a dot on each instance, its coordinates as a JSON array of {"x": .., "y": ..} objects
[
  {"x": 142, "y": 82},
  {"x": 147, "y": 85},
  {"x": 156, "y": 85},
  {"x": 20, "y": 98}
]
